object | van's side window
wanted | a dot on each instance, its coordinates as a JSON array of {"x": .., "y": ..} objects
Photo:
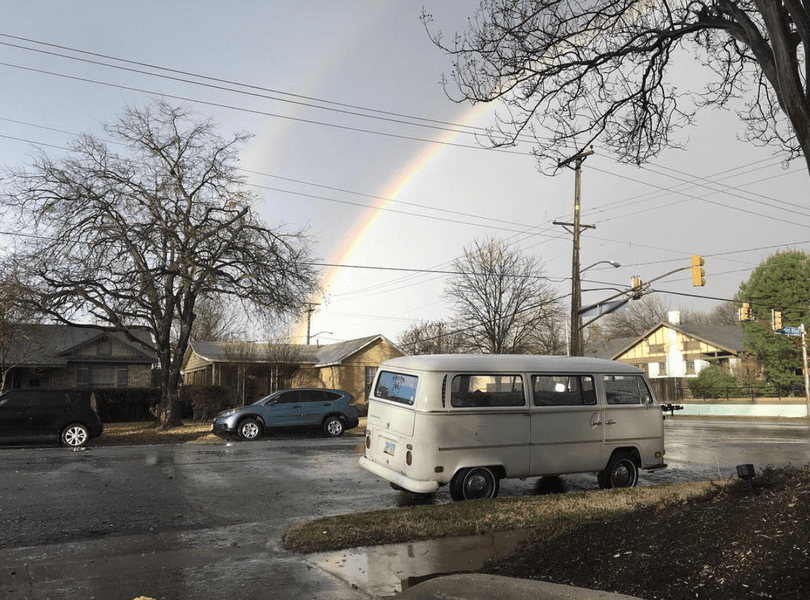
[
  {"x": 487, "y": 390},
  {"x": 397, "y": 387},
  {"x": 626, "y": 389},
  {"x": 563, "y": 390}
]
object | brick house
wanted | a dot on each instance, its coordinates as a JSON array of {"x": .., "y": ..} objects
[
  {"x": 64, "y": 357},
  {"x": 251, "y": 370}
]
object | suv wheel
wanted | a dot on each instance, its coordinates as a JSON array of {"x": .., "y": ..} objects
[
  {"x": 249, "y": 430},
  {"x": 75, "y": 435},
  {"x": 333, "y": 427}
]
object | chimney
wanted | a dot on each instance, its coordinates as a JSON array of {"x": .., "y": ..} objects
[{"x": 674, "y": 317}]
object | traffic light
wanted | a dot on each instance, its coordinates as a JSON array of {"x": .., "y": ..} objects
[
  {"x": 698, "y": 273},
  {"x": 637, "y": 284},
  {"x": 777, "y": 320},
  {"x": 745, "y": 312}
]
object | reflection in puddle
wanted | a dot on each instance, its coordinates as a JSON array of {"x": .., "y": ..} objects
[{"x": 386, "y": 570}]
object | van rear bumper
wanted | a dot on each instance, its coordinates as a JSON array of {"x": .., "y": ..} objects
[{"x": 412, "y": 485}]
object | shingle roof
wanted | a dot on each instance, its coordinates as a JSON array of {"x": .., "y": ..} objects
[
  {"x": 48, "y": 345},
  {"x": 727, "y": 337},
  {"x": 319, "y": 356}
]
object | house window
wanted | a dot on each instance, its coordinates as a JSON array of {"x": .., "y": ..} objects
[
  {"x": 101, "y": 376},
  {"x": 690, "y": 367}
]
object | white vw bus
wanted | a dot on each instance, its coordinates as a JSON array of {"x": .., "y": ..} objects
[{"x": 472, "y": 420}]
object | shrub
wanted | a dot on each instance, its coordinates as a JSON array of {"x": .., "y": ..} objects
[
  {"x": 205, "y": 400},
  {"x": 713, "y": 382},
  {"x": 126, "y": 405}
]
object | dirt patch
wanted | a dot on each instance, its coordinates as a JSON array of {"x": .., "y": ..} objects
[
  {"x": 729, "y": 544},
  {"x": 126, "y": 434}
]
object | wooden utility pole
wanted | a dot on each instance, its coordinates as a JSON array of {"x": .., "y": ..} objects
[
  {"x": 310, "y": 309},
  {"x": 576, "y": 229}
]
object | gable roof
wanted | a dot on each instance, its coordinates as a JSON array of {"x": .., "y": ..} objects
[
  {"x": 726, "y": 337},
  {"x": 317, "y": 356},
  {"x": 51, "y": 345}
]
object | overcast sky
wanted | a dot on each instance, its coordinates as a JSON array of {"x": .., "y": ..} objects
[{"x": 356, "y": 141}]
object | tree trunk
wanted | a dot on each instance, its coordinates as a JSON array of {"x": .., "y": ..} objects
[{"x": 169, "y": 409}]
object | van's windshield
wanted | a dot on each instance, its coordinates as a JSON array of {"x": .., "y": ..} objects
[{"x": 397, "y": 387}]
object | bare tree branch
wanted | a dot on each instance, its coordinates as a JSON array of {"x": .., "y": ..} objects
[{"x": 575, "y": 73}]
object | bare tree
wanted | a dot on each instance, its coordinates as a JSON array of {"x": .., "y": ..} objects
[
  {"x": 20, "y": 339},
  {"x": 431, "y": 337},
  {"x": 577, "y": 72},
  {"x": 242, "y": 356},
  {"x": 216, "y": 321},
  {"x": 135, "y": 239},
  {"x": 283, "y": 358},
  {"x": 725, "y": 313},
  {"x": 501, "y": 298},
  {"x": 641, "y": 315}
]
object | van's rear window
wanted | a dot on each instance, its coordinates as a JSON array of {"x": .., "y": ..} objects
[
  {"x": 397, "y": 387},
  {"x": 626, "y": 389}
]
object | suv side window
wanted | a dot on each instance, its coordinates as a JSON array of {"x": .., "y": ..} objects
[
  {"x": 291, "y": 397},
  {"x": 312, "y": 396},
  {"x": 50, "y": 399},
  {"x": 15, "y": 400}
]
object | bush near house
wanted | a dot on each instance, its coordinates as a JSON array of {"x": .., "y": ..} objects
[
  {"x": 205, "y": 400},
  {"x": 714, "y": 382},
  {"x": 126, "y": 405}
]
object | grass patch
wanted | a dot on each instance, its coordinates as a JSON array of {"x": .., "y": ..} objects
[{"x": 553, "y": 513}]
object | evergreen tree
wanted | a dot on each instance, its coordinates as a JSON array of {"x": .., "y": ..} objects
[{"x": 781, "y": 283}]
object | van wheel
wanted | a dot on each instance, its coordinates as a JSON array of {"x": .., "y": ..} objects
[
  {"x": 75, "y": 435},
  {"x": 249, "y": 430},
  {"x": 477, "y": 483},
  {"x": 621, "y": 472},
  {"x": 333, "y": 427}
]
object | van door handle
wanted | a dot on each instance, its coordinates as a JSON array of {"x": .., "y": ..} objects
[{"x": 610, "y": 422}]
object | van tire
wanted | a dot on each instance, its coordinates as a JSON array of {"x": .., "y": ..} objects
[
  {"x": 621, "y": 472},
  {"x": 476, "y": 483},
  {"x": 249, "y": 430}
]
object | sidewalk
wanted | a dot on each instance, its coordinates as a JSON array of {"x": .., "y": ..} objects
[{"x": 493, "y": 587}]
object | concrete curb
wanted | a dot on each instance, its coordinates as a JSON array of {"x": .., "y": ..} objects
[{"x": 476, "y": 586}]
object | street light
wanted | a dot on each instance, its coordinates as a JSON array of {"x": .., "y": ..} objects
[
  {"x": 317, "y": 334},
  {"x": 612, "y": 263},
  {"x": 576, "y": 303}
]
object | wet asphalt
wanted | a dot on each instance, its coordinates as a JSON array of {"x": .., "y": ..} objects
[{"x": 205, "y": 521}]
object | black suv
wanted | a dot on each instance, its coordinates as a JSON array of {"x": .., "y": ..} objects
[{"x": 68, "y": 416}]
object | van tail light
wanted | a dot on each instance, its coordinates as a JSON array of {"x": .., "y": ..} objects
[
  {"x": 368, "y": 441},
  {"x": 408, "y": 458}
]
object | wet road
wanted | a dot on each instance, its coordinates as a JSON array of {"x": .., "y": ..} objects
[{"x": 192, "y": 521}]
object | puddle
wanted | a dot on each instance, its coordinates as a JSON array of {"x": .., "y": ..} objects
[{"x": 382, "y": 571}]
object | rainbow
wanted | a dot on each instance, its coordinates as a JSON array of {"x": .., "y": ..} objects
[{"x": 356, "y": 235}]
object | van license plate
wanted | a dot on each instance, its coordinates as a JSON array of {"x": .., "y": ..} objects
[{"x": 390, "y": 448}]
